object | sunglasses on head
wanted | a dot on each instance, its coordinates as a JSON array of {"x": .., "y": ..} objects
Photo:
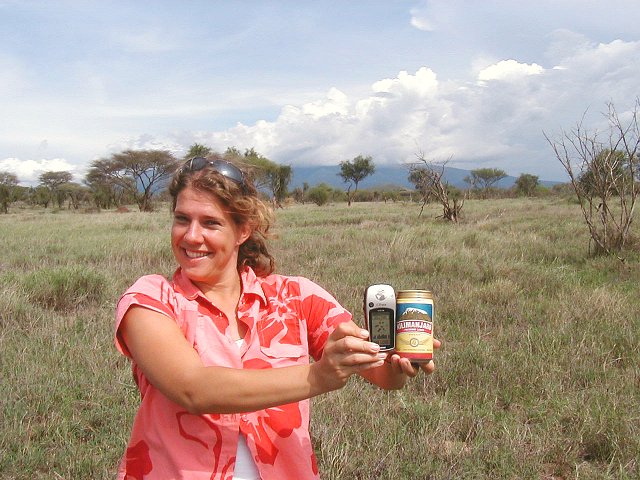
[{"x": 226, "y": 169}]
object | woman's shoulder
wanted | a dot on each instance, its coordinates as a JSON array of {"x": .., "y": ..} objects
[
  {"x": 150, "y": 291},
  {"x": 150, "y": 285}
]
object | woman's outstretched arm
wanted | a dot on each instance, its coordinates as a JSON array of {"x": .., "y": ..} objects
[{"x": 158, "y": 347}]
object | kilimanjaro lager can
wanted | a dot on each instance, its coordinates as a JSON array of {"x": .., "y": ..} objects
[{"x": 414, "y": 325}]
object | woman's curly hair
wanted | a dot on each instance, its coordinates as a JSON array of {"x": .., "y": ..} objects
[{"x": 241, "y": 201}]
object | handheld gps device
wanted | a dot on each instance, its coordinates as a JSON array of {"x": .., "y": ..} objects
[{"x": 380, "y": 315}]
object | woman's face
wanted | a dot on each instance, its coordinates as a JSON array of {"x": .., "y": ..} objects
[{"x": 204, "y": 238}]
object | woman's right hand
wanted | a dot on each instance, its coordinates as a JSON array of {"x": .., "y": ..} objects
[{"x": 346, "y": 352}]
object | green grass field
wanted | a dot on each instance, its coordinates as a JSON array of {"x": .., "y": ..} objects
[{"x": 538, "y": 376}]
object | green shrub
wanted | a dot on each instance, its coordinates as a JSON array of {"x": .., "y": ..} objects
[{"x": 319, "y": 194}]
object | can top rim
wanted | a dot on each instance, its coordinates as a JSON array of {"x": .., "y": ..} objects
[{"x": 414, "y": 293}]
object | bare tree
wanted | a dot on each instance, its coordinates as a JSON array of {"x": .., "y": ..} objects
[
  {"x": 428, "y": 178},
  {"x": 603, "y": 174}
]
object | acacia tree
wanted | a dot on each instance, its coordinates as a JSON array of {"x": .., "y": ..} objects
[
  {"x": 39, "y": 195},
  {"x": 268, "y": 175},
  {"x": 140, "y": 173},
  {"x": 198, "y": 150},
  {"x": 8, "y": 184},
  {"x": 105, "y": 192},
  {"x": 604, "y": 174},
  {"x": 428, "y": 179},
  {"x": 75, "y": 193},
  {"x": 353, "y": 172},
  {"x": 484, "y": 178},
  {"x": 53, "y": 181}
]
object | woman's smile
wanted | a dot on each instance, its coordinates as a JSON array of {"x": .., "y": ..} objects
[{"x": 196, "y": 254}]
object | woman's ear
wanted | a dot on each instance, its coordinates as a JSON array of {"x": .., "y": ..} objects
[{"x": 244, "y": 232}]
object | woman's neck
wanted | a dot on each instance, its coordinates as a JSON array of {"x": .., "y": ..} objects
[{"x": 224, "y": 290}]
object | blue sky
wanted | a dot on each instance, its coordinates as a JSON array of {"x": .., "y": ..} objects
[{"x": 312, "y": 82}]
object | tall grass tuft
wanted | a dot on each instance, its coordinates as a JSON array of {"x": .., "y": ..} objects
[{"x": 65, "y": 288}]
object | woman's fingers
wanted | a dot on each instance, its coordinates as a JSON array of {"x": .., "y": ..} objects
[{"x": 349, "y": 351}]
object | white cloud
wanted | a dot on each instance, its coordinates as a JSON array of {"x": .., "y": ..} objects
[
  {"x": 336, "y": 102},
  {"x": 494, "y": 119},
  {"x": 476, "y": 80},
  {"x": 508, "y": 70},
  {"x": 497, "y": 121},
  {"x": 28, "y": 171},
  {"x": 423, "y": 83}
]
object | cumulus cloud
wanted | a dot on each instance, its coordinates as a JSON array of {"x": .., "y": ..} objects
[
  {"x": 423, "y": 83},
  {"x": 496, "y": 120},
  {"x": 28, "y": 171},
  {"x": 508, "y": 70},
  {"x": 495, "y": 117},
  {"x": 336, "y": 102}
]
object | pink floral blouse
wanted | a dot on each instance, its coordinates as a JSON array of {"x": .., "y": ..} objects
[{"x": 289, "y": 319}]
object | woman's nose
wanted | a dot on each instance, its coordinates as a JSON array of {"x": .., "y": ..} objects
[{"x": 193, "y": 233}]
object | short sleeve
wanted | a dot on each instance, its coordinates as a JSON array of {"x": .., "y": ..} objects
[
  {"x": 322, "y": 313},
  {"x": 153, "y": 292}
]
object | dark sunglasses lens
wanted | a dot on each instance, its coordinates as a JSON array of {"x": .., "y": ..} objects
[
  {"x": 225, "y": 168},
  {"x": 197, "y": 163},
  {"x": 229, "y": 171}
]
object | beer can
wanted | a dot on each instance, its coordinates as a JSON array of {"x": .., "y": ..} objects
[{"x": 414, "y": 325}]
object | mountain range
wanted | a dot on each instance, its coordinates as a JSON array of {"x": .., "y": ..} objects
[{"x": 391, "y": 176}]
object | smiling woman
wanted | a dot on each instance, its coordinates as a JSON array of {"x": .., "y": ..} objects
[
  {"x": 221, "y": 352},
  {"x": 205, "y": 239}
]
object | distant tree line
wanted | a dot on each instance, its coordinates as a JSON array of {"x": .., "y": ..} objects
[
  {"x": 140, "y": 177},
  {"x": 604, "y": 175},
  {"x": 137, "y": 177}
]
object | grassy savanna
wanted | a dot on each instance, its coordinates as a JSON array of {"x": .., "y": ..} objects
[{"x": 538, "y": 376}]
